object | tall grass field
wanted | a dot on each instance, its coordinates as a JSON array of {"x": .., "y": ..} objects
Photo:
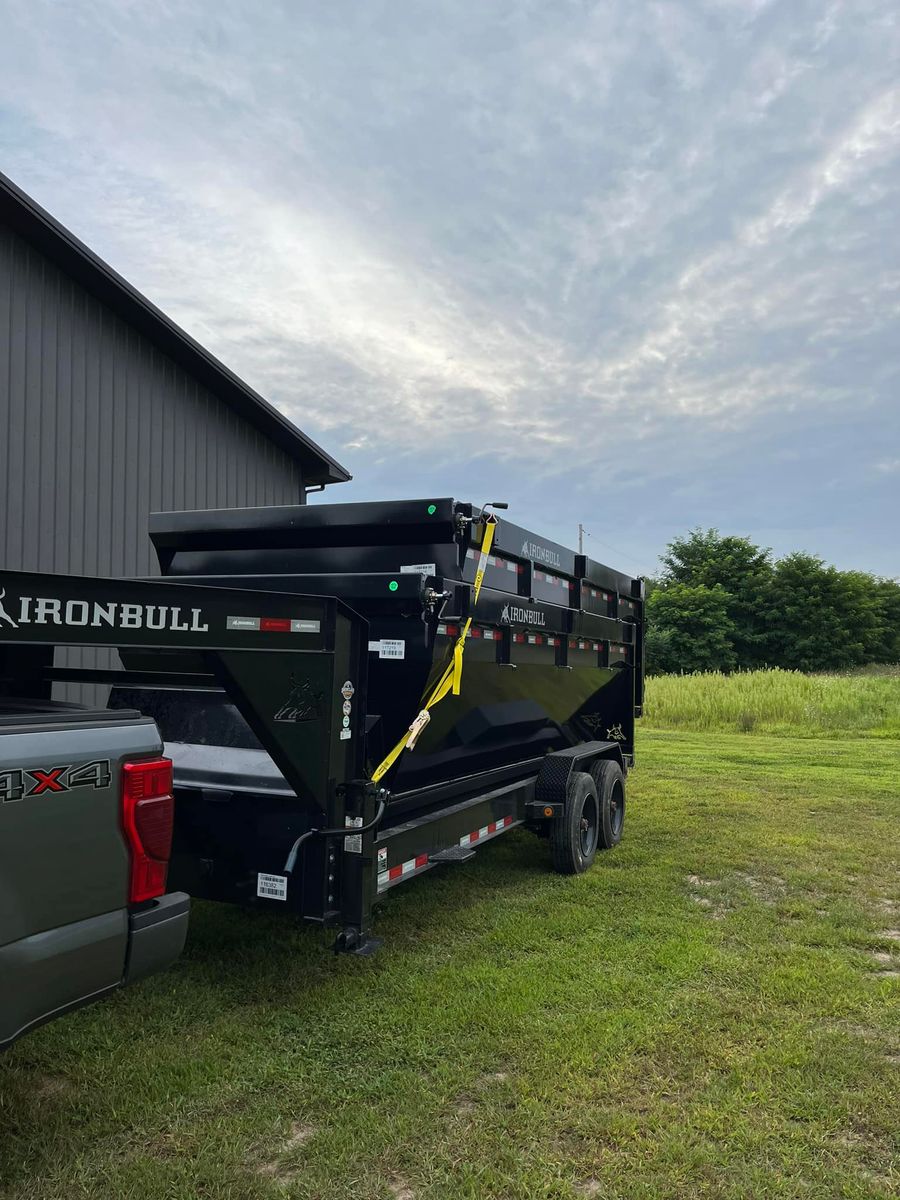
[{"x": 864, "y": 703}]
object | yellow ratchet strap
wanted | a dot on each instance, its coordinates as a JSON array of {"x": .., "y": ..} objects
[{"x": 451, "y": 678}]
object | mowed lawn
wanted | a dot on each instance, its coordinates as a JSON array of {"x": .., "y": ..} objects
[{"x": 711, "y": 1011}]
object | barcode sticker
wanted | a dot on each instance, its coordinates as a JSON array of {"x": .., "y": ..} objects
[
  {"x": 419, "y": 569},
  {"x": 388, "y": 648},
  {"x": 353, "y": 843},
  {"x": 271, "y": 887}
]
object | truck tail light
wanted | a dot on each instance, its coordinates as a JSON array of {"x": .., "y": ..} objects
[{"x": 148, "y": 810}]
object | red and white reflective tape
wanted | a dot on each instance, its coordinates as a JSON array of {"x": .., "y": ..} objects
[
  {"x": 546, "y": 577},
  {"x": 486, "y": 831},
  {"x": 407, "y": 868},
  {"x": 273, "y": 624},
  {"x": 421, "y": 862},
  {"x": 497, "y": 561},
  {"x": 477, "y": 631}
]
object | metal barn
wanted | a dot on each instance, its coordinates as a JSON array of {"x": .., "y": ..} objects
[{"x": 109, "y": 411}]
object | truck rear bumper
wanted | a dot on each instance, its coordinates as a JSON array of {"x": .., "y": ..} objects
[
  {"x": 49, "y": 973},
  {"x": 156, "y": 935}
]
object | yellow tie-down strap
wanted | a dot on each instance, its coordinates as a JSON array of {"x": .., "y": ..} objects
[{"x": 451, "y": 678}]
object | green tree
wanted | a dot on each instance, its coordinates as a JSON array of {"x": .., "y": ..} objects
[
  {"x": 660, "y": 657},
  {"x": 887, "y": 649},
  {"x": 743, "y": 570},
  {"x": 863, "y": 606},
  {"x": 821, "y": 616},
  {"x": 689, "y": 629}
]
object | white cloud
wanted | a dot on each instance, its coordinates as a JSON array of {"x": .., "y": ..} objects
[{"x": 539, "y": 233}]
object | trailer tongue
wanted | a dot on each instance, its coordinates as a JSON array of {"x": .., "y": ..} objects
[{"x": 355, "y": 694}]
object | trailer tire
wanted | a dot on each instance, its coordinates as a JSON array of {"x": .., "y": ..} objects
[
  {"x": 610, "y": 784},
  {"x": 574, "y": 834}
]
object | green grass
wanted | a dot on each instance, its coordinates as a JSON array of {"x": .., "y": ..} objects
[
  {"x": 711, "y": 1011},
  {"x": 860, "y": 703}
]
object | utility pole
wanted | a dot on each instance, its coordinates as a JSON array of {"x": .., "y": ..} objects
[{"x": 580, "y": 538}]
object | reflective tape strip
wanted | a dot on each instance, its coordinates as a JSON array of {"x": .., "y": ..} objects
[
  {"x": 242, "y": 623},
  {"x": 486, "y": 831},
  {"x": 402, "y": 871},
  {"x": 413, "y": 866},
  {"x": 273, "y": 624}
]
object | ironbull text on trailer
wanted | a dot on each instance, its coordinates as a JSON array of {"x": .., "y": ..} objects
[{"x": 44, "y": 610}]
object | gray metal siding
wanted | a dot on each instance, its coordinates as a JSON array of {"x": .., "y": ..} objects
[{"x": 98, "y": 429}]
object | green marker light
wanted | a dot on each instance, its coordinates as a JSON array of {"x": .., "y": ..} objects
[
  {"x": 393, "y": 585},
  {"x": 432, "y": 509}
]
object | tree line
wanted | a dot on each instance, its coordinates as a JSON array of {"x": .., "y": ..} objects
[{"x": 722, "y": 603}]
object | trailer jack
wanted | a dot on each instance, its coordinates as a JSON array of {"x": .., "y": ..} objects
[{"x": 356, "y": 941}]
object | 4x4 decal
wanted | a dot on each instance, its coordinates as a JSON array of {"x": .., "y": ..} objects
[{"x": 40, "y": 781}]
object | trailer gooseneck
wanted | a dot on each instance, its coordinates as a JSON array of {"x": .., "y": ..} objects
[{"x": 355, "y": 694}]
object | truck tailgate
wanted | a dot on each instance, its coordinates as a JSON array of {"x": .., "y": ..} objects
[{"x": 64, "y": 922}]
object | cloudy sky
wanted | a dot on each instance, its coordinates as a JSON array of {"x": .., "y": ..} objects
[{"x": 627, "y": 263}]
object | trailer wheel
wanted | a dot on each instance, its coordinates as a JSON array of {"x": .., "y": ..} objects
[
  {"x": 610, "y": 784},
  {"x": 574, "y": 834}
]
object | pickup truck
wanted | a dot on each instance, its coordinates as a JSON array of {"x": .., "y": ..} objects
[{"x": 86, "y": 817}]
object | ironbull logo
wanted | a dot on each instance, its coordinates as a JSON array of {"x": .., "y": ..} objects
[
  {"x": 541, "y": 554},
  {"x": 47, "y": 610},
  {"x": 4, "y": 615},
  {"x": 302, "y": 703},
  {"x": 522, "y": 616}
]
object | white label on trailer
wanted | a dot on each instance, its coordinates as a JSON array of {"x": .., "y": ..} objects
[
  {"x": 347, "y": 690},
  {"x": 347, "y": 708},
  {"x": 388, "y": 648},
  {"x": 271, "y": 887},
  {"x": 353, "y": 844},
  {"x": 419, "y": 569},
  {"x": 382, "y": 860},
  {"x": 346, "y": 734}
]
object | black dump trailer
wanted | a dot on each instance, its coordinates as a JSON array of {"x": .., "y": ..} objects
[
  {"x": 539, "y": 672},
  {"x": 355, "y": 694}
]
